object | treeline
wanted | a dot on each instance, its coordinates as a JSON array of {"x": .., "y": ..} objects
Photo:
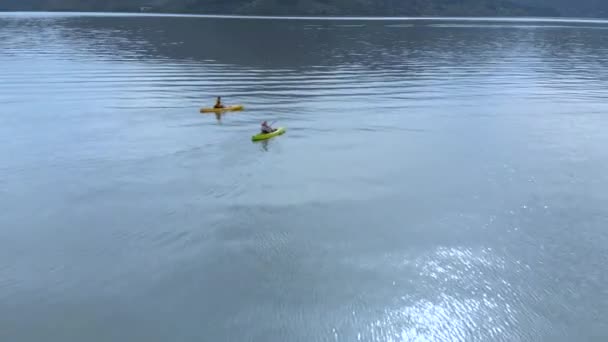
[
  {"x": 573, "y": 8},
  {"x": 329, "y": 7}
]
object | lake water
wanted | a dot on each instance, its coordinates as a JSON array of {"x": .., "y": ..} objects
[{"x": 440, "y": 180}]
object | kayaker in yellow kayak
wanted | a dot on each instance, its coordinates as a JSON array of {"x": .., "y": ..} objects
[
  {"x": 218, "y": 103},
  {"x": 266, "y": 128}
]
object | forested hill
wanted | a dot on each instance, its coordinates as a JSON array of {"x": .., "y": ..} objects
[
  {"x": 590, "y": 8},
  {"x": 573, "y": 8}
]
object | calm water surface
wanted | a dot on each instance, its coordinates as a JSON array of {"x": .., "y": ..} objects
[{"x": 440, "y": 180}]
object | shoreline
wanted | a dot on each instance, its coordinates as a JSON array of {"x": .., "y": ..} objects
[{"x": 312, "y": 18}]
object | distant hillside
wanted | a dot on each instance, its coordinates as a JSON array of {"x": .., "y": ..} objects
[
  {"x": 573, "y": 8},
  {"x": 587, "y": 8}
]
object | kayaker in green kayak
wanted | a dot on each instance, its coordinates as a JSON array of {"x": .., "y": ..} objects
[
  {"x": 266, "y": 128},
  {"x": 218, "y": 103}
]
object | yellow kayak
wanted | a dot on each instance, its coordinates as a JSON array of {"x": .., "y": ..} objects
[
  {"x": 264, "y": 136},
  {"x": 225, "y": 109}
]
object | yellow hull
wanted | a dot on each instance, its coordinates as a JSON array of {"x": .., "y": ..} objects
[{"x": 221, "y": 110}]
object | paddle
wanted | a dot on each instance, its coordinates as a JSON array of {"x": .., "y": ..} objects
[{"x": 272, "y": 123}]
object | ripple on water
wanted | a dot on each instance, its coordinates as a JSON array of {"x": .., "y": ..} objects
[
  {"x": 347, "y": 228},
  {"x": 460, "y": 294}
]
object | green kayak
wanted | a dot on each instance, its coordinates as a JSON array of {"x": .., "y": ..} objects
[{"x": 263, "y": 136}]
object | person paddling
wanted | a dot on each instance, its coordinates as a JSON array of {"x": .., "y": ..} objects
[
  {"x": 218, "y": 103},
  {"x": 266, "y": 128}
]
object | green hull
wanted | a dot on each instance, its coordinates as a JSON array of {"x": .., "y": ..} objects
[{"x": 262, "y": 136}]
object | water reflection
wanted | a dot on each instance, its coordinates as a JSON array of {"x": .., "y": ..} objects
[{"x": 264, "y": 145}]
